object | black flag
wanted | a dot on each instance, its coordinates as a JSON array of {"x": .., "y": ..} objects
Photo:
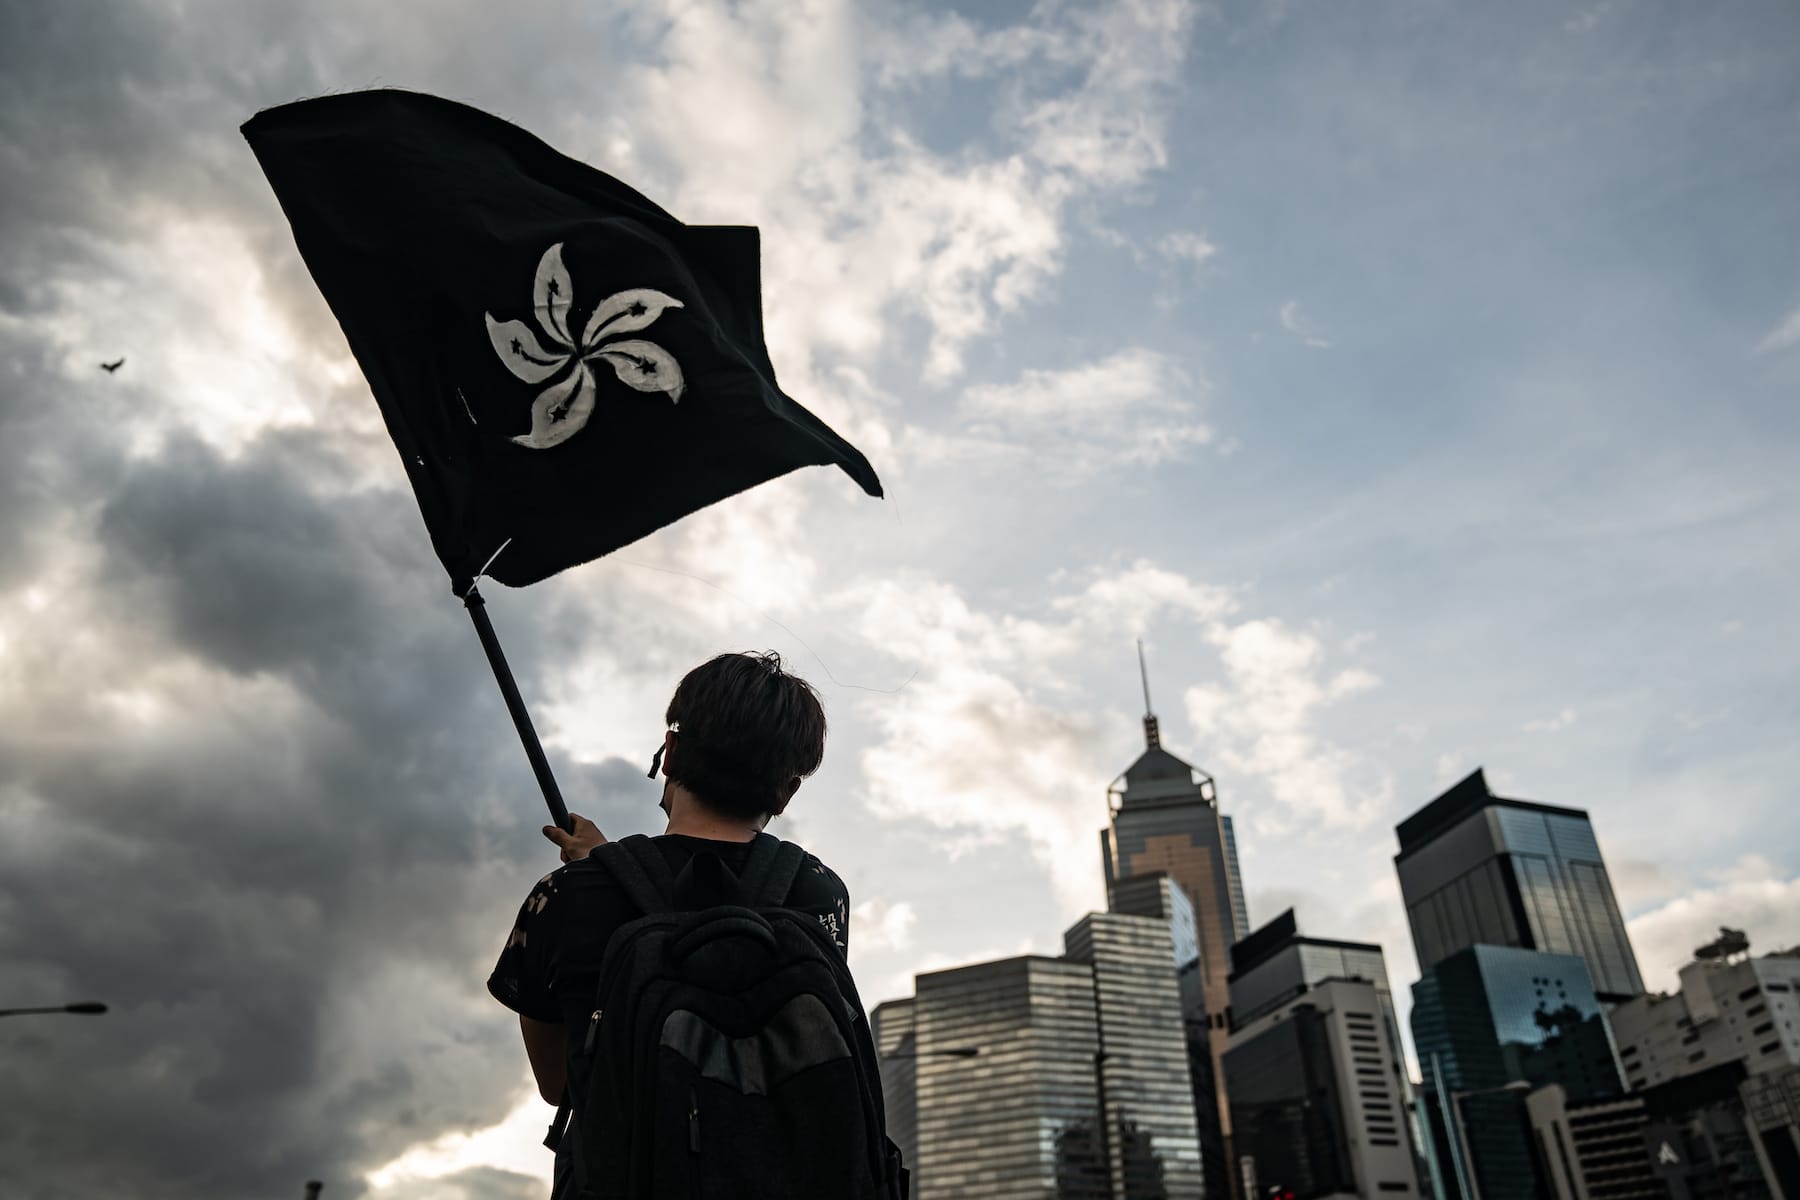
[{"x": 563, "y": 366}]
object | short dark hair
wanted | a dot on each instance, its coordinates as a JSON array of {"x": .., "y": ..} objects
[{"x": 743, "y": 729}]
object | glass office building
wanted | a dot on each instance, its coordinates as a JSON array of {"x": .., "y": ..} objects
[
  {"x": 1157, "y": 895},
  {"x": 1316, "y": 1066},
  {"x": 1146, "y": 1092},
  {"x": 1276, "y": 963},
  {"x": 1480, "y": 869},
  {"x": 1286, "y": 1113},
  {"x": 1019, "y": 1118},
  {"x": 1165, "y": 818},
  {"x": 1079, "y": 1089},
  {"x": 1490, "y": 1016}
]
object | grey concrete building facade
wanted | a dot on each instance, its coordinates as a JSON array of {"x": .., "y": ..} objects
[
  {"x": 1481, "y": 869},
  {"x": 1744, "y": 1009},
  {"x": 1594, "y": 1150}
]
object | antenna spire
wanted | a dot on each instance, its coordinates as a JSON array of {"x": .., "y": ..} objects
[{"x": 1152, "y": 735}]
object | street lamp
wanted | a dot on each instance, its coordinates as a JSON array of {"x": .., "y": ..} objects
[
  {"x": 1466, "y": 1169},
  {"x": 84, "y": 1007}
]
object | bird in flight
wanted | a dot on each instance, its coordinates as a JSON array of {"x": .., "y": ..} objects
[{"x": 110, "y": 367}]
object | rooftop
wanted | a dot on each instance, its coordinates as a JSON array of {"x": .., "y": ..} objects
[
  {"x": 1277, "y": 935},
  {"x": 1462, "y": 800}
]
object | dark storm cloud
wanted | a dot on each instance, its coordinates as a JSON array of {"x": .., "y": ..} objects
[
  {"x": 229, "y": 892},
  {"x": 290, "y": 889}
]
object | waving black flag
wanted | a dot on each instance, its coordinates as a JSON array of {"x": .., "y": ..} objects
[{"x": 563, "y": 365}]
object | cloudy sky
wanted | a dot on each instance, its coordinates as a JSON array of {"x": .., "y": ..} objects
[{"x": 1417, "y": 380}]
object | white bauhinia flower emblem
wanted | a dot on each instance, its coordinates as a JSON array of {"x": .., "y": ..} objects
[{"x": 563, "y": 408}]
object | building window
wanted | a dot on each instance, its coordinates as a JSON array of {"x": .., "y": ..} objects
[
  {"x": 1765, "y": 1027},
  {"x": 1697, "y": 1055},
  {"x": 1771, "y": 1048},
  {"x": 1756, "y": 1010},
  {"x": 1388, "y": 1185},
  {"x": 1747, "y": 992}
]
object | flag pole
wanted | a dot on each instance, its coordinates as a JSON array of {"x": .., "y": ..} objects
[{"x": 515, "y": 704}]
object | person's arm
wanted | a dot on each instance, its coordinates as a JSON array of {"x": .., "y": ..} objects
[
  {"x": 545, "y": 1041},
  {"x": 544, "y": 1046}
]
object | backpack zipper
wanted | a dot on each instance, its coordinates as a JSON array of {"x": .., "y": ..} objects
[{"x": 593, "y": 1031}]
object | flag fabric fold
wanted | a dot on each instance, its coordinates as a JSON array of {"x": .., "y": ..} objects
[{"x": 563, "y": 366}]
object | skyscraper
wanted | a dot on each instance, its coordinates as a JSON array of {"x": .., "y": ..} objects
[
  {"x": 1476, "y": 868},
  {"x": 1157, "y": 895},
  {"x": 1035, "y": 1076},
  {"x": 1165, "y": 817},
  {"x": 1491, "y": 1023},
  {"x": 1146, "y": 1094},
  {"x": 1318, "y": 1085}
]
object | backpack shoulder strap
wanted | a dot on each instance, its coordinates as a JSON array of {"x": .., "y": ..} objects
[
  {"x": 769, "y": 873},
  {"x": 640, "y": 869}
]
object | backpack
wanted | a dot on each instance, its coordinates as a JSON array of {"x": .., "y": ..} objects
[{"x": 728, "y": 1056}]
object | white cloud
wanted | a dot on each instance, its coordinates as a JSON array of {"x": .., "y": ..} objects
[
  {"x": 1587, "y": 19},
  {"x": 1192, "y": 247},
  {"x": 764, "y": 114},
  {"x": 1262, "y": 719},
  {"x": 1109, "y": 130},
  {"x": 515, "y": 1143},
  {"x": 1559, "y": 722},
  {"x": 1691, "y": 720},
  {"x": 220, "y": 358},
  {"x": 1451, "y": 766},
  {"x": 1297, "y": 324},
  {"x": 1134, "y": 407},
  {"x": 1129, "y": 599},
  {"x": 881, "y": 925},
  {"x": 995, "y": 741},
  {"x": 1782, "y": 336},
  {"x": 1752, "y": 895}
]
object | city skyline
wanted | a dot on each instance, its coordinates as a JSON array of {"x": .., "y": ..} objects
[{"x": 1415, "y": 382}]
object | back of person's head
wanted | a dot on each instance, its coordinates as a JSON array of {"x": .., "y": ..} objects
[{"x": 746, "y": 733}]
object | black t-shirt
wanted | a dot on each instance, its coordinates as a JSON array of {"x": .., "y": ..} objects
[{"x": 551, "y": 964}]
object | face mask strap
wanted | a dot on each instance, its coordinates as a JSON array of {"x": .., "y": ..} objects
[{"x": 656, "y": 759}]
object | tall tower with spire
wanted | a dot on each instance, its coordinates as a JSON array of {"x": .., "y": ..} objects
[{"x": 1165, "y": 818}]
